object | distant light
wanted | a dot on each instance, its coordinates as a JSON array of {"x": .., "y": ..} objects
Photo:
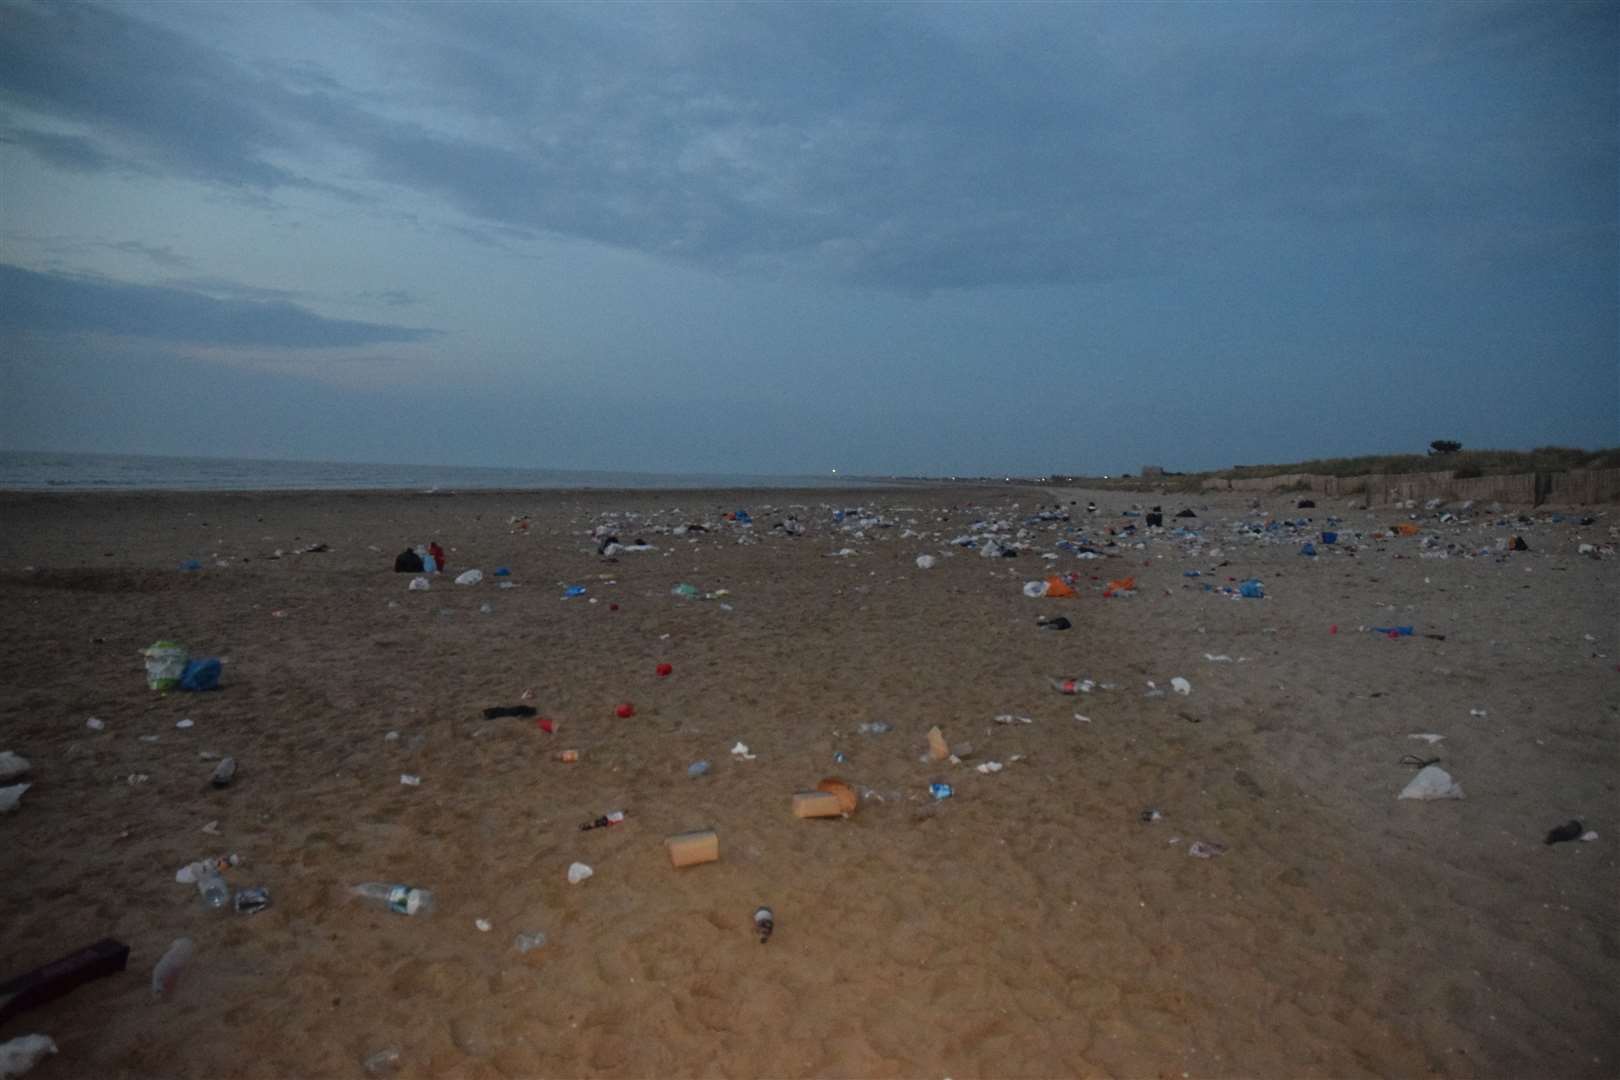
[{"x": 835, "y": 470}]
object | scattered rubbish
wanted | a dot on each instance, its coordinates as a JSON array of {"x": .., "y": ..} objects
[
  {"x": 410, "y": 779},
  {"x": 1432, "y": 782},
  {"x": 816, "y": 804},
  {"x": 224, "y": 773},
  {"x": 200, "y": 676},
  {"x": 1212, "y": 658},
  {"x": 11, "y": 796},
  {"x": 469, "y": 577},
  {"x": 568, "y": 757},
  {"x": 1082, "y": 719},
  {"x": 382, "y": 1062},
  {"x": 251, "y": 901},
  {"x": 1009, "y": 718},
  {"x": 497, "y": 712},
  {"x": 1393, "y": 631},
  {"x": 741, "y": 751},
  {"x": 625, "y": 711},
  {"x": 926, "y": 562},
  {"x": 1476, "y": 712},
  {"x": 848, "y": 800},
  {"x": 400, "y": 899},
  {"x": 1181, "y": 686},
  {"x": 990, "y": 767},
  {"x": 183, "y": 724},
  {"x": 12, "y": 765},
  {"x": 547, "y": 726},
  {"x": 663, "y": 670},
  {"x": 693, "y": 848},
  {"x": 685, "y": 591},
  {"x": 95, "y": 724},
  {"x": 527, "y": 943},
  {"x": 1427, "y": 737},
  {"x": 578, "y": 872},
  {"x": 1200, "y": 849},
  {"x": 1058, "y": 623},
  {"x": 1073, "y": 686},
  {"x": 940, "y": 791},
  {"x": 697, "y": 768},
  {"x": 1570, "y": 830},
  {"x": 1122, "y": 587},
  {"x": 484, "y": 925},
  {"x": 420, "y": 584},
  {"x": 612, "y": 817},
  {"x": 876, "y": 727},
  {"x": 502, "y": 571},
  {"x": 19, "y": 1055},
  {"x": 1589, "y": 835},
  {"x": 1417, "y": 762},
  {"x": 165, "y": 663},
  {"x": 573, "y": 591},
  {"x": 50, "y": 981},
  {"x": 1150, "y": 815},
  {"x": 167, "y": 971},
  {"x": 1035, "y": 589},
  {"x": 938, "y": 748},
  {"x": 1308, "y": 549},
  {"x": 764, "y": 923},
  {"x": 1252, "y": 590}
]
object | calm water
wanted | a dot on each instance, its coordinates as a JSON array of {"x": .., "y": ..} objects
[{"x": 67, "y": 472}]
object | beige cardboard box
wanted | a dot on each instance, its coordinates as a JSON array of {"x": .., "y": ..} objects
[
  {"x": 691, "y": 848},
  {"x": 816, "y": 804}
]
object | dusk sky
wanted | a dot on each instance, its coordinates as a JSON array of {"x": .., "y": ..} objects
[{"x": 966, "y": 238}]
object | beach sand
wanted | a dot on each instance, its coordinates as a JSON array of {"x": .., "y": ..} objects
[{"x": 1030, "y": 925}]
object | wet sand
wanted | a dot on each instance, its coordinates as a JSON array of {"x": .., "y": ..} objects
[{"x": 1030, "y": 925}]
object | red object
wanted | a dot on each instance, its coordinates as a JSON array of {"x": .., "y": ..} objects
[
  {"x": 664, "y": 669},
  {"x": 626, "y": 711},
  {"x": 547, "y": 726},
  {"x": 438, "y": 555},
  {"x": 613, "y": 607},
  {"x": 1334, "y": 629}
]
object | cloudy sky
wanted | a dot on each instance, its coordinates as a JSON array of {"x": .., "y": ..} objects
[{"x": 787, "y": 238}]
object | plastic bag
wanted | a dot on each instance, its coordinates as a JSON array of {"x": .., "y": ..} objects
[
  {"x": 1432, "y": 782},
  {"x": 201, "y": 675},
  {"x": 165, "y": 663}
]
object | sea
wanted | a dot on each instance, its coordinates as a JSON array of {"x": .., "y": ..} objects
[{"x": 44, "y": 471}]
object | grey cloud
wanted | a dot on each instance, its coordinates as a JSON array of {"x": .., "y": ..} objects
[
  {"x": 899, "y": 147},
  {"x": 61, "y": 304},
  {"x": 74, "y": 153}
]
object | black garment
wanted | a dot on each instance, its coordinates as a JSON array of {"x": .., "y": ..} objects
[{"x": 407, "y": 562}]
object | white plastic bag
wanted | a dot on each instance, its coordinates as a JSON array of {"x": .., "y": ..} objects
[
  {"x": 1432, "y": 782},
  {"x": 1035, "y": 589},
  {"x": 469, "y": 577},
  {"x": 19, "y": 1055},
  {"x": 420, "y": 584},
  {"x": 11, "y": 796}
]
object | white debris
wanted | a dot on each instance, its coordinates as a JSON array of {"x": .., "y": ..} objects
[
  {"x": 410, "y": 780},
  {"x": 1009, "y": 718},
  {"x": 95, "y": 723},
  {"x": 578, "y": 872},
  {"x": 1181, "y": 686},
  {"x": 925, "y": 562},
  {"x": 484, "y": 925},
  {"x": 741, "y": 751},
  {"x": 989, "y": 767},
  {"x": 11, "y": 796},
  {"x": 1428, "y": 738},
  {"x": 1432, "y": 782},
  {"x": 21, "y": 1054},
  {"x": 469, "y": 577},
  {"x": 12, "y": 766},
  {"x": 420, "y": 584}
]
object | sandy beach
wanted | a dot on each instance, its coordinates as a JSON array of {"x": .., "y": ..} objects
[{"x": 1030, "y": 925}]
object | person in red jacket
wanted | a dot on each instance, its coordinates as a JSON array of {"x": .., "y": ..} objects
[{"x": 438, "y": 554}]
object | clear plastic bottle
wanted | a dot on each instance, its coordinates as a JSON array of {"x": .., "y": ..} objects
[
  {"x": 215, "y": 893},
  {"x": 403, "y": 899},
  {"x": 168, "y": 970}
]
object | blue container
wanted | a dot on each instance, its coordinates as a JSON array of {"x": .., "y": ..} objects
[
  {"x": 201, "y": 674},
  {"x": 1330, "y": 538},
  {"x": 1252, "y": 589},
  {"x": 940, "y": 791}
]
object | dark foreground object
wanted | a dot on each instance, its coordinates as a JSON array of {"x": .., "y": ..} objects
[{"x": 105, "y": 957}]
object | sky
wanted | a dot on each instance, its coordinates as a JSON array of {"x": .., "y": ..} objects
[{"x": 789, "y": 238}]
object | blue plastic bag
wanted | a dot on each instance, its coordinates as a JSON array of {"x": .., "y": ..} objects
[
  {"x": 201, "y": 674},
  {"x": 1252, "y": 589}
]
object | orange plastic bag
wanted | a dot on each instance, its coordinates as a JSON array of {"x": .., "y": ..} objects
[
  {"x": 1406, "y": 528},
  {"x": 1056, "y": 586},
  {"x": 1122, "y": 585}
]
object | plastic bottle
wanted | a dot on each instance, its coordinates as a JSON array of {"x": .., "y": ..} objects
[
  {"x": 168, "y": 970},
  {"x": 224, "y": 773},
  {"x": 212, "y": 887},
  {"x": 403, "y": 899}
]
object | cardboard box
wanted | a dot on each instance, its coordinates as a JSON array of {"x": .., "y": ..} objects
[
  {"x": 817, "y": 804},
  {"x": 692, "y": 848}
]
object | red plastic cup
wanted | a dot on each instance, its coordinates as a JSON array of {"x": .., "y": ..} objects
[
  {"x": 546, "y": 726},
  {"x": 626, "y": 711},
  {"x": 664, "y": 670}
]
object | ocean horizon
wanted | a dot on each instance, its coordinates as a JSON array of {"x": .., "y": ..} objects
[{"x": 30, "y": 470}]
